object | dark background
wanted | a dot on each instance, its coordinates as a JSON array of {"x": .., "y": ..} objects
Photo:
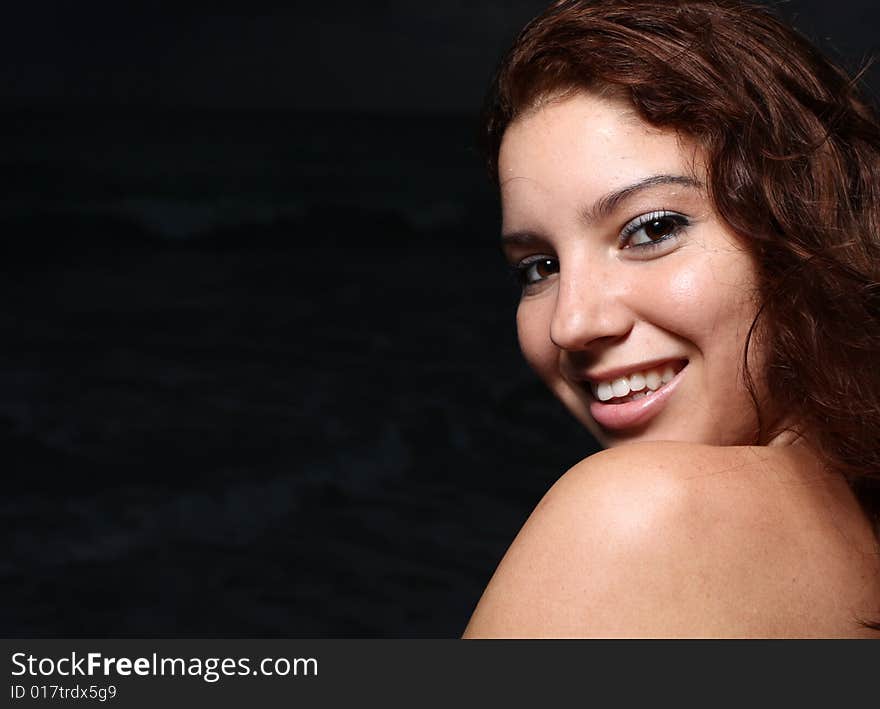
[{"x": 259, "y": 374}]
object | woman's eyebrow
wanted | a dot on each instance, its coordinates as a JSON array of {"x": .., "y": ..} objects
[
  {"x": 606, "y": 204},
  {"x": 520, "y": 238}
]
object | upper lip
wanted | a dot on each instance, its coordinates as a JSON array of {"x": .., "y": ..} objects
[{"x": 607, "y": 375}]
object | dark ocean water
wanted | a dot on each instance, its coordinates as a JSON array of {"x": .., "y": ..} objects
[
  {"x": 185, "y": 173},
  {"x": 259, "y": 378}
]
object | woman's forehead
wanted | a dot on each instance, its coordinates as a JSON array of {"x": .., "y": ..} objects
[{"x": 590, "y": 145}]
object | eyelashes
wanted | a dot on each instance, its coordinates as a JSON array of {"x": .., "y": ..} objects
[
  {"x": 655, "y": 227},
  {"x": 534, "y": 269},
  {"x": 638, "y": 237}
]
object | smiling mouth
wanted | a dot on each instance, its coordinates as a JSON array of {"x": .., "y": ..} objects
[{"x": 636, "y": 385}]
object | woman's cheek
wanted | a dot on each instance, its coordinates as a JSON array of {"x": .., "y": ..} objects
[
  {"x": 694, "y": 301},
  {"x": 533, "y": 332}
]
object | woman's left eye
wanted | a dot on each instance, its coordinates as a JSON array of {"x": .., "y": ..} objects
[{"x": 651, "y": 229}]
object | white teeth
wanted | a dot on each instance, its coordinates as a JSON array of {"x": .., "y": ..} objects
[
  {"x": 636, "y": 382},
  {"x": 620, "y": 387},
  {"x": 642, "y": 382},
  {"x": 653, "y": 380}
]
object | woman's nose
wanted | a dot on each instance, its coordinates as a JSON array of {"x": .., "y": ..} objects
[{"x": 587, "y": 309}]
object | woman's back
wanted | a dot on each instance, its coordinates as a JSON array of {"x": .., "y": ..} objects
[{"x": 666, "y": 539}]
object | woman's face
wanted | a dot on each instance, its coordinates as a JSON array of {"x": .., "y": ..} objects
[{"x": 637, "y": 299}]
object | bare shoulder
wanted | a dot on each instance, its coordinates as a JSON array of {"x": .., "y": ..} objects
[{"x": 668, "y": 539}]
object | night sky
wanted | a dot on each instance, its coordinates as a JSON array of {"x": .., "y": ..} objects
[
  {"x": 392, "y": 56},
  {"x": 384, "y": 56}
]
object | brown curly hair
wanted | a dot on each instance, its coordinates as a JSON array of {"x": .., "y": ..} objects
[{"x": 793, "y": 167}]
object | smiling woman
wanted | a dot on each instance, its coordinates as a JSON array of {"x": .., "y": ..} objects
[
  {"x": 689, "y": 200},
  {"x": 644, "y": 289}
]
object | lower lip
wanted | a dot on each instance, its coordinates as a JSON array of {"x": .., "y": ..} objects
[{"x": 618, "y": 417}]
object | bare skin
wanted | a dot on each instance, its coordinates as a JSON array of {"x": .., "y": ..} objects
[
  {"x": 665, "y": 539},
  {"x": 681, "y": 528}
]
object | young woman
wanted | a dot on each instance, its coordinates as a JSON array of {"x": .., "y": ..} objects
[{"x": 690, "y": 200}]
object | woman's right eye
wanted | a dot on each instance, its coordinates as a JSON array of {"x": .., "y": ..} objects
[{"x": 536, "y": 269}]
